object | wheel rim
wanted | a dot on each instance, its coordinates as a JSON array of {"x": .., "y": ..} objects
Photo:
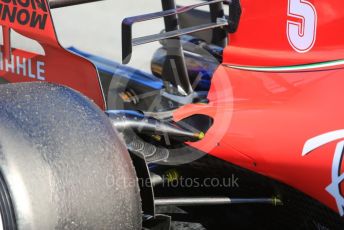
[{"x": 7, "y": 217}]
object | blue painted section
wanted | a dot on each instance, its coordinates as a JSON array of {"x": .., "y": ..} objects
[
  {"x": 116, "y": 69},
  {"x": 137, "y": 76},
  {"x": 132, "y": 113}
]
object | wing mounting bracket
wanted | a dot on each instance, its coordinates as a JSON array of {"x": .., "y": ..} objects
[{"x": 127, "y": 38}]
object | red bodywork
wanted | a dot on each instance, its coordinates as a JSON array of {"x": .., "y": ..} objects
[
  {"x": 262, "y": 117},
  {"x": 58, "y": 65}
]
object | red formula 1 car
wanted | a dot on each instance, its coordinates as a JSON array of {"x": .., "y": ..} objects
[{"x": 238, "y": 125}]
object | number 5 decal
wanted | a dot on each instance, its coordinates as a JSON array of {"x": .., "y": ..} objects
[{"x": 302, "y": 30}]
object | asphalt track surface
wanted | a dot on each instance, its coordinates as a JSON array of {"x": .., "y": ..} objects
[{"x": 96, "y": 27}]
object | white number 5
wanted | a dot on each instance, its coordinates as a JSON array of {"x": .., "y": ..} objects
[{"x": 302, "y": 30}]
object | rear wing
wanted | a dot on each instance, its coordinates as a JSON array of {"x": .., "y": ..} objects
[
  {"x": 33, "y": 20},
  {"x": 128, "y": 41}
]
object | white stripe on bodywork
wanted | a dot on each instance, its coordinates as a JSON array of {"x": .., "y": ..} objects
[
  {"x": 321, "y": 140},
  {"x": 337, "y": 177}
]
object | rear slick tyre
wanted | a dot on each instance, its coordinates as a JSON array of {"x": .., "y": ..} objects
[{"x": 62, "y": 165}]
